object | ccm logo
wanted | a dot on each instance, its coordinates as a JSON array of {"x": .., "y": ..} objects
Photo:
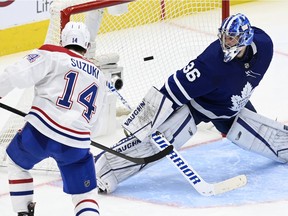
[{"x": 4, "y": 3}]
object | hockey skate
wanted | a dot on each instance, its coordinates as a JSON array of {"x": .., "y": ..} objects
[{"x": 30, "y": 212}]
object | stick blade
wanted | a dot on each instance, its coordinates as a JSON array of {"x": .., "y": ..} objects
[{"x": 230, "y": 184}]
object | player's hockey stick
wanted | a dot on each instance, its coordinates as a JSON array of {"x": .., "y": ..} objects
[
  {"x": 144, "y": 160},
  {"x": 201, "y": 186}
]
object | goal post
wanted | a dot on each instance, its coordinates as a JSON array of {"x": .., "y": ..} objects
[
  {"x": 225, "y": 9},
  {"x": 153, "y": 39}
]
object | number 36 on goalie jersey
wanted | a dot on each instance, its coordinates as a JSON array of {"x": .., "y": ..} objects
[{"x": 191, "y": 72}]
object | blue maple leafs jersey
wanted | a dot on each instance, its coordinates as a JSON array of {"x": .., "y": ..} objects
[{"x": 217, "y": 89}]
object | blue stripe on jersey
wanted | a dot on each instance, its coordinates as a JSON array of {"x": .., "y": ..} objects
[
  {"x": 170, "y": 93},
  {"x": 86, "y": 209},
  {"x": 57, "y": 131},
  {"x": 21, "y": 193}
]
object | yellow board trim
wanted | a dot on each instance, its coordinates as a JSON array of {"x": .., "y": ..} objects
[{"x": 24, "y": 37}]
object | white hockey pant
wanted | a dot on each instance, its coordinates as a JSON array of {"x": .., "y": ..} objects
[
  {"x": 111, "y": 169},
  {"x": 261, "y": 135}
]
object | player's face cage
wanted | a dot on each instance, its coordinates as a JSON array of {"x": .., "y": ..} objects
[{"x": 230, "y": 43}]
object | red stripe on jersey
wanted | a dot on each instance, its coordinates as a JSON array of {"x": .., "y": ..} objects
[
  {"x": 21, "y": 181},
  {"x": 60, "y": 126},
  {"x": 87, "y": 200}
]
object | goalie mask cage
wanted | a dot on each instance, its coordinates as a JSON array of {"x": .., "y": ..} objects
[{"x": 153, "y": 39}]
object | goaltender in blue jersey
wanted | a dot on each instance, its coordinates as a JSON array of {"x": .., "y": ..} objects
[
  {"x": 217, "y": 90},
  {"x": 215, "y": 87}
]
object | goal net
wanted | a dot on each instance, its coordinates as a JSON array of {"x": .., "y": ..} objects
[{"x": 153, "y": 39}]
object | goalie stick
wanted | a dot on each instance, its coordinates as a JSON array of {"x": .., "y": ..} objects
[
  {"x": 201, "y": 186},
  {"x": 144, "y": 160}
]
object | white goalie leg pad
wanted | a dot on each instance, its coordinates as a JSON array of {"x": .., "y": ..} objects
[
  {"x": 179, "y": 127},
  {"x": 261, "y": 135},
  {"x": 106, "y": 179},
  {"x": 111, "y": 169},
  {"x": 154, "y": 109}
]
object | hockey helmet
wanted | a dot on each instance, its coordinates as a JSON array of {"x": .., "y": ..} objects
[
  {"x": 234, "y": 34},
  {"x": 75, "y": 33}
]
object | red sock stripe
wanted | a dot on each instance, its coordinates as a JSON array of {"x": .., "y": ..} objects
[
  {"x": 21, "y": 181},
  {"x": 87, "y": 200}
]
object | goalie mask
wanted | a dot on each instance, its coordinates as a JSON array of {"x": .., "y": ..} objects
[
  {"x": 75, "y": 33},
  {"x": 234, "y": 34}
]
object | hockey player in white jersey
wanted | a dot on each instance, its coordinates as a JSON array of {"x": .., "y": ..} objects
[
  {"x": 69, "y": 95},
  {"x": 215, "y": 87}
]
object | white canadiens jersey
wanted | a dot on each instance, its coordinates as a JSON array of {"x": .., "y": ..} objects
[{"x": 69, "y": 93}]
